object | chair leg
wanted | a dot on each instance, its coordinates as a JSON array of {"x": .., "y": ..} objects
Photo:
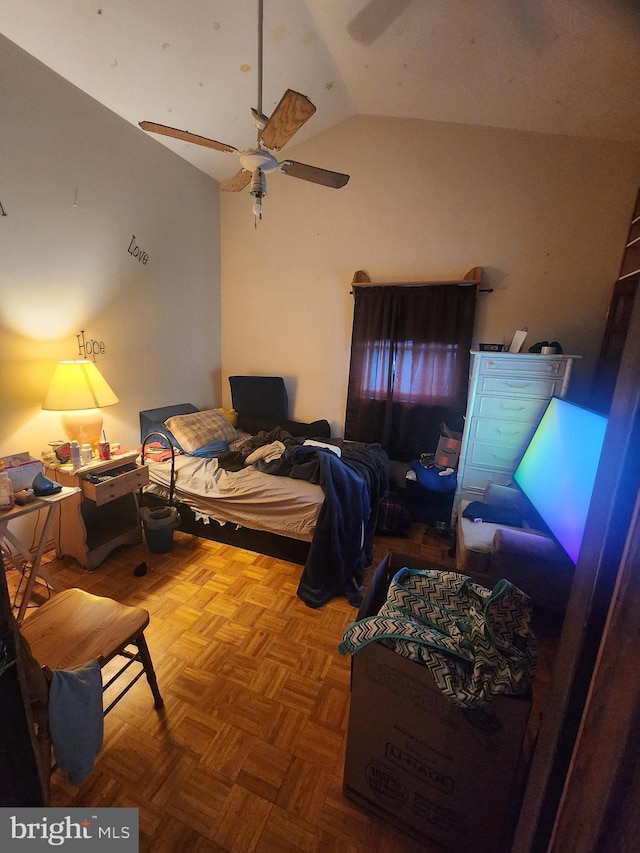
[{"x": 147, "y": 663}]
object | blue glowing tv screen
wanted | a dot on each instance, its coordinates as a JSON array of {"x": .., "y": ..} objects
[{"x": 558, "y": 469}]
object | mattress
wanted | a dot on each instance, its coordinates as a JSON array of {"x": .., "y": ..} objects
[{"x": 249, "y": 498}]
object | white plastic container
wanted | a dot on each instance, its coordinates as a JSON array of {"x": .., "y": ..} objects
[
  {"x": 7, "y": 500},
  {"x": 76, "y": 460}
]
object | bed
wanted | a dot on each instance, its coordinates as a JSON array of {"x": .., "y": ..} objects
[{"x": 269, "y": 484}]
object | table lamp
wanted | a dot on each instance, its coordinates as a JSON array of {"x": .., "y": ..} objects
[{"x": 79, "y": 391}]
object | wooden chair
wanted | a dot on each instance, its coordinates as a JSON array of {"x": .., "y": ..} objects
[
  {"x": 21, "y": 781},
  {"x": 75, "y": 627}
]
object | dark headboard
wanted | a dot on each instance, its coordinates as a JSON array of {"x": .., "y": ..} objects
[
  {"x": 259, "y": 395},
  {"x": 152, "y": 420},
  {"x": 262, "y": 404},
  {"x": 251, "y": 418}
]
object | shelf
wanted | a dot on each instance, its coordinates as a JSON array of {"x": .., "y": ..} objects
[
  {"x": 631, "y": 260},
  {"x": 634, "y": 234},
  {"x": 629, "y": 275},
  {"x": 618, "y": 317}
]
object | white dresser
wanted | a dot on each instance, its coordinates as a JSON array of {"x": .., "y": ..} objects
[{"x": 508, "y": 392}]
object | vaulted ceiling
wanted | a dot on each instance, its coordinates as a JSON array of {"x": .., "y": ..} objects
[{"x": 553, "y": 66}]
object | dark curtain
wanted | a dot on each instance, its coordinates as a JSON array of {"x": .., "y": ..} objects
[{"x": 409, "y": 365}]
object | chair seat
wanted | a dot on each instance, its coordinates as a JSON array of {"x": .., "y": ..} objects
[{"x": 75, "y": 626}]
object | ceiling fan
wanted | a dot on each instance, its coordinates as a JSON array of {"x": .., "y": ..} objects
[{"x": 274, "y": 132}]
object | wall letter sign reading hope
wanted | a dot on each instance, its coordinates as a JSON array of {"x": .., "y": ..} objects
[
  {"x": 88, "y": 349},
  {"x": 136, "y": 252}
]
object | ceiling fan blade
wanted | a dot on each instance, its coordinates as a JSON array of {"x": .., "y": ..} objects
[
  {"x": 288, "y": 117},
  {"x": 237, "y": 182},
  {"x": 314, "y": 174},
  {"x": 185, "y": 136}
]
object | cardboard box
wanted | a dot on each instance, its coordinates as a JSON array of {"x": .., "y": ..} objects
[
  {"x": 448, "y": 451},
  {"x": 416, "y": 759},
  {"x": 22, "y": 469},
  {"x": 376, "y": 592}
]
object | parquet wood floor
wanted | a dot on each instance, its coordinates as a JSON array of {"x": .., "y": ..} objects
[{"x": 247, "y": 753}]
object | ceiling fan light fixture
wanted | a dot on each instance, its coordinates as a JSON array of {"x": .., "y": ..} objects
[
  {"x": 258, "y": 184},
  {"x": 257, "y": 208},
  {"x": 258, "y": 158},
  {"x": 258, "y": 191}
]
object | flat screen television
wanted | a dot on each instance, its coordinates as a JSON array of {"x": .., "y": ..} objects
[{"x": 557, "y": 471}]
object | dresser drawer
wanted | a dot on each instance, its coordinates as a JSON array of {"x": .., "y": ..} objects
[
  {"x": 476, "y": 480},
  {"x": 539, "y": 365},
  {"x": 115, "y": 486},
  {"x": 495, "y": 456},
  {"x": 524, "y": 409},
  {"x": 503, "y": 432},
  {"x": 519, "y": 386}
]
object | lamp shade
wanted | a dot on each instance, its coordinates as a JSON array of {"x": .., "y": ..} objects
[
  {"x": 79, "y": 390},
  {"x": 78, "y": 385}
]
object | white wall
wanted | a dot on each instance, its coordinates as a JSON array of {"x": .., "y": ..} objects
[
  {"x": 545, "y": 216},
  {"x": 77, "y": 183}
]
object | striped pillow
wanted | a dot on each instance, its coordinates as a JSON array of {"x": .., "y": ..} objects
[{"x": 200, "y": 428}]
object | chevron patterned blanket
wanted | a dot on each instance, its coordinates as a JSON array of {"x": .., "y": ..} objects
[{"x": 476, "y": 642}]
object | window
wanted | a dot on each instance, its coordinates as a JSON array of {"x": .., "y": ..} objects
[
  {"x": 421, "y": 372},
  {"x": 409, "y": 364}
]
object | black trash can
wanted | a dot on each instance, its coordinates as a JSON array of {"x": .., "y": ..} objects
[{"x": 158, "y": 525}]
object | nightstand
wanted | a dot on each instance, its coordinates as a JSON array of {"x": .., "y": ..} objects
[{"x": 104, "y": 515}]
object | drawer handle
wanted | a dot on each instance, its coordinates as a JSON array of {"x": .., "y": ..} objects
[
  {"x": 501, "y": 431},
  {"x": 516, "y": 384},
  {"x": 501, "y": 458},
  {"x": 512, "y": 408}
]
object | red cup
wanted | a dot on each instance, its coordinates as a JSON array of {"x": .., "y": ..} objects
[{"x": 104, "y": 450}]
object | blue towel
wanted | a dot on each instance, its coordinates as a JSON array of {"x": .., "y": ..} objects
[
  {"x": 429, "y": 478},
  {"x": 75, "y": 718},
  {"x": 211, "y": 450}
]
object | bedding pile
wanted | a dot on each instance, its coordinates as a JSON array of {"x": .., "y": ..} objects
[
  {"x": 324, "y": 493},
  {"x": 353, "y": 486},
  {"x": 244, "y": 498}
]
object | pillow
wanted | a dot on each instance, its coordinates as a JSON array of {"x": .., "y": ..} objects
[
  {"x": 211, "y": 450},
  {"x": 254, "y": 424},
  {"x": 153, "y": 420},
  {"x": 231, "y": 415},
  {"x": 315, "y": 429},
  {"x": 200, "y": 428}
]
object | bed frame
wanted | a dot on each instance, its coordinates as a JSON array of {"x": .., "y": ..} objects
[
  {"x": 261, "y": 402},
  {"x": 259, "y": 541}
]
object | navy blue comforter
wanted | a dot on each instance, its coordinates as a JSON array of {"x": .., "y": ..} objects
[{"x": 342, "y": 546}]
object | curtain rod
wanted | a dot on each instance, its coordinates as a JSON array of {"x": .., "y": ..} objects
[{"x": 474, "y": 276}]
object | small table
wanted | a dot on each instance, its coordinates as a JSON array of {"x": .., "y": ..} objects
[
  {"x": 104, "y": 515},
  {"x": 31, "y": 555}
]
